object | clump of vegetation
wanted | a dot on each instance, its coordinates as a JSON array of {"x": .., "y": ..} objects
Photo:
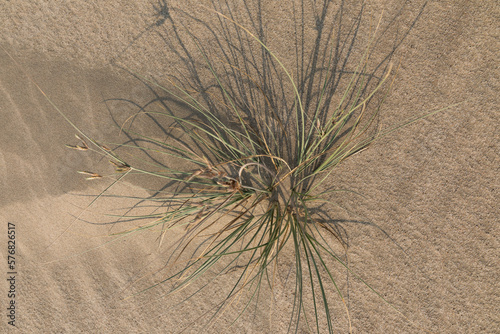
[{"x": 248, "y": 168}]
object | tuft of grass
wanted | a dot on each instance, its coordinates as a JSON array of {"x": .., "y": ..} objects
[{"x": 252, "y": 164}]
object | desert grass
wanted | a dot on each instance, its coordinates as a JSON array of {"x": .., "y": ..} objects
[{"x": 248, "y": 169}]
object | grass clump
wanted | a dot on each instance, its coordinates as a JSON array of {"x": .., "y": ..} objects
[{"x": 246, "y": 171}]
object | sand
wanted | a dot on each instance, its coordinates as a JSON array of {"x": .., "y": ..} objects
[{"x": 426, "y": 234}]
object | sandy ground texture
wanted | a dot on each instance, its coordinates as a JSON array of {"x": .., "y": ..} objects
[{"x": 425, "y": 235}]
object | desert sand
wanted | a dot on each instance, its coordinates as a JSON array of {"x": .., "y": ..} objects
[{"x": 426, "y": 234}]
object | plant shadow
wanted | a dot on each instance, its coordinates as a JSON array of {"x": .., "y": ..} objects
[{"x": 217, "y": 63}]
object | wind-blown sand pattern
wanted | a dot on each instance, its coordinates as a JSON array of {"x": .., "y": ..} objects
[{"x": 426, "y": 236}]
